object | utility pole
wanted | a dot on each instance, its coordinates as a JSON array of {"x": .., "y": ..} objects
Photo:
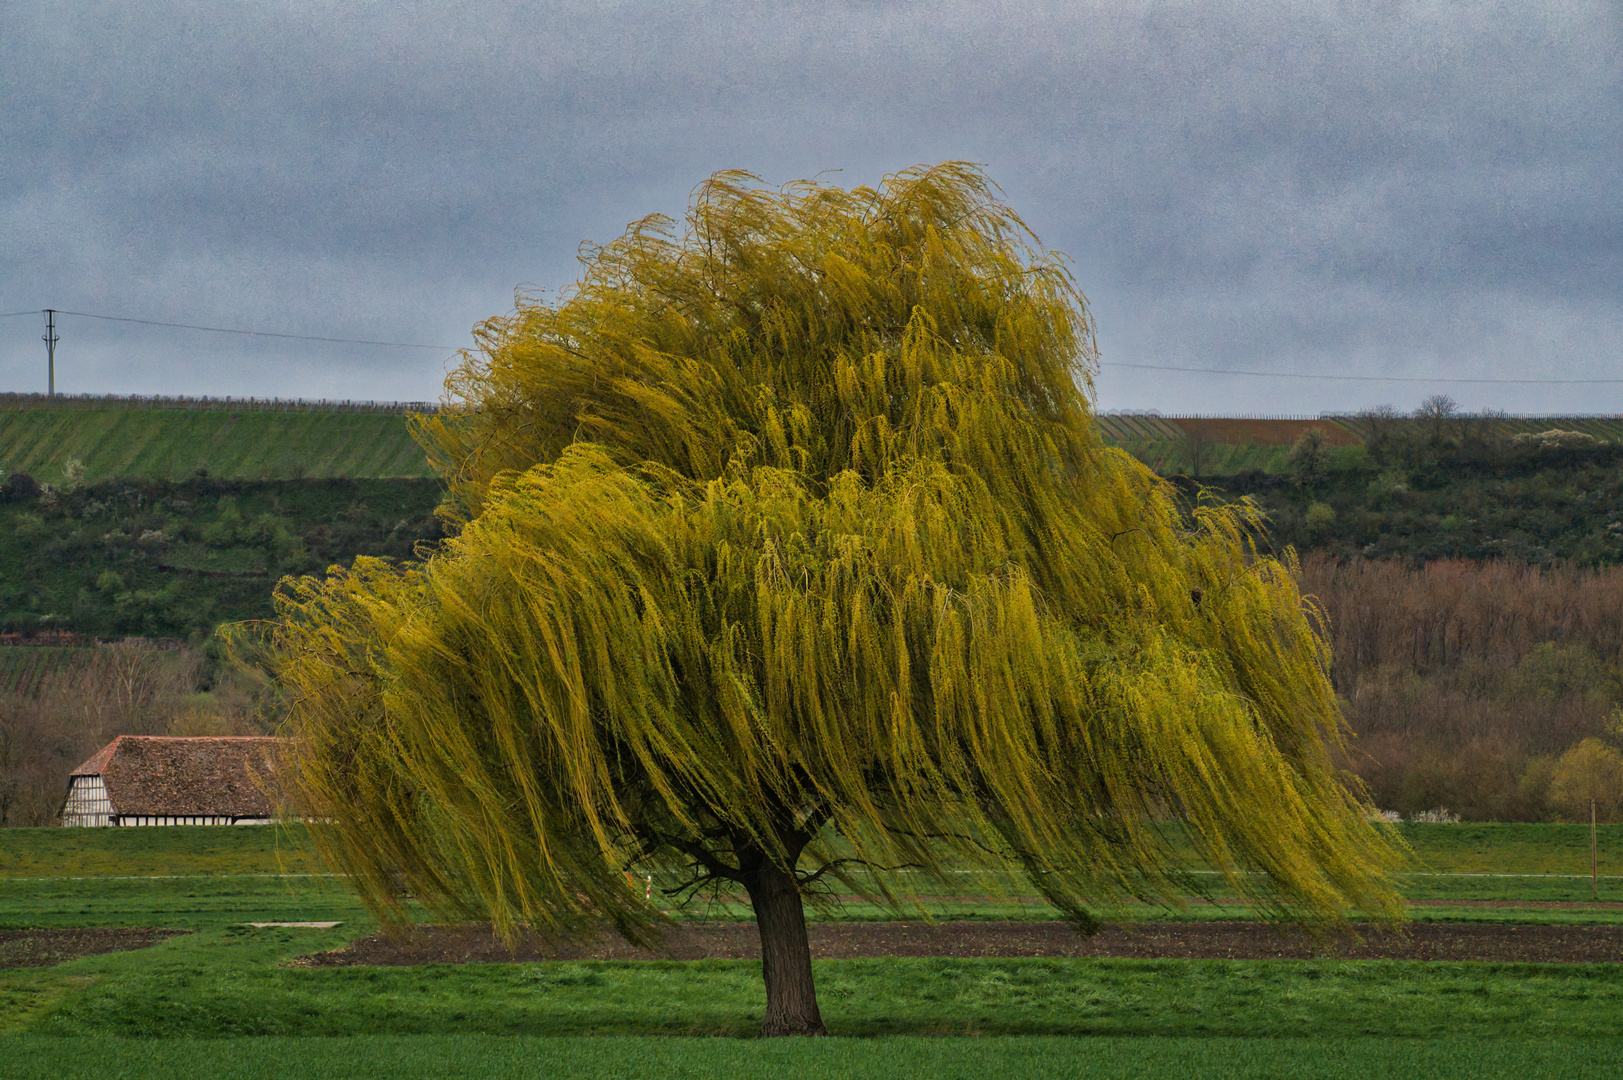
[{"x": 50, "y": 352}]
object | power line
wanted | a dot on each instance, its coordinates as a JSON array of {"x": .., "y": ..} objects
[
  {"x": 1139, "y": 367},
  {"x": 50, "y": 351},
  {"x": 251, "y": 333},
  {"x": 1362, "y": 378}
]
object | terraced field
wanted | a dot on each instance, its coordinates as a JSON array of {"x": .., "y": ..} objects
[
  {"x": 1229, "y": 446},
  {"x": 269, "y": 440},
  {"x": 173, "y": 444},
  {"x": 23, "y": 670}
]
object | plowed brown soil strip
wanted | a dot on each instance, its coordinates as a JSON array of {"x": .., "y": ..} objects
[
  {"x": 1505, "y": 943},
  {"x": 42, "y": 948},
  {"x": 1494, "y": 942},
  {"x": 1237, "y": 432}
]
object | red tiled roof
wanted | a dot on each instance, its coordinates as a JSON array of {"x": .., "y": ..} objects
[
  {"x": 172, "y": 776},
  {"x": 98, "y": 761}
]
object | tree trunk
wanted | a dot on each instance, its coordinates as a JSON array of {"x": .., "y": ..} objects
[{"x": 791, "y": 999}]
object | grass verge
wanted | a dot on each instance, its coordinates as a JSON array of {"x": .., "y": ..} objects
[{"x": 433, "y": 1057}]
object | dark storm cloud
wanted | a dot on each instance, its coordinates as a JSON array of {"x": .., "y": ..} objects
[{"x": 1397, "y": 189}]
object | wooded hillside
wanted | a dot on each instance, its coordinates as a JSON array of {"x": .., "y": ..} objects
[
  {"x": 1492, "y": 689},
  {"x": 1471, "y": 572}
]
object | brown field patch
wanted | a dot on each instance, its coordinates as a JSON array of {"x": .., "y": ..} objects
[
  {"x": 1264, "y": 432},
  {"x": 42, "y": 948}
]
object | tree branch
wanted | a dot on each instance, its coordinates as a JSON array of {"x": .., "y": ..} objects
[
  {"x": 704, "y": 857},
  {"x": 809, "y": 879},
  {"x": 950, "y": 836}
]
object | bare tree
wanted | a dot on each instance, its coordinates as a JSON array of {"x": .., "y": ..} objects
[
  {"x": 1382, "y": 422},
  {"x": 1435, "y": 413},
  {"x": 1197, "y": 446},
  {"x": 1484, "y": 434}
]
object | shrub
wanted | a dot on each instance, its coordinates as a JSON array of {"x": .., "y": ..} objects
[
  {"x": 1589, "y": 771},
  {"x": 227, "y": 526},
  {"x": 1554, "y": 439},
  {"x": 1309, "y": 460},
  {"x": 19, "y": 486},
  {"x": 1390, "y": 482},
  {"x": 1533, "y": 789},
  {"x": 1553, "y": 672}
]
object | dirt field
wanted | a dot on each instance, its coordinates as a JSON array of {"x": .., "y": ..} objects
[
  {"x": 42, "y": 948},
  {"x": 1206, "y": 940},
  {"x": 1264, "y": 432}
]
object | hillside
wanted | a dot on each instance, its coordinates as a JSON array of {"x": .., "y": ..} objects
[
  {"x": 181, "y": 514},
  {"x": 152, "y": 558},
  {"x": 1209, "y": 446},
  {"x": 1534, "y": 490},
  {"x": 173, "y": 439},
  {"x": 249, "y": 439},
  {"x": 1477, "y": 685},
  {"x": 1535, "y": 512}
]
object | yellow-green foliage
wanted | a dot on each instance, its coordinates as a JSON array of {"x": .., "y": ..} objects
[
  {"x": 791, "y": 530},
  {"x": 1589, "y": 773}
]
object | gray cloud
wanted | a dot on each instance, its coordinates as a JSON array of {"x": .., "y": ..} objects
[{"x": 1385, "y": 189}]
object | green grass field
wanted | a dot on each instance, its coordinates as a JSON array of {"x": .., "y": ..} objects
[
  {"x": 220, "y": 1001},
  {"x": 167, "y": 444},
  {"x": 231, "y": 982},
  {"x": 198, "y": 877},
  {"x": 1063, "y": 1058}
]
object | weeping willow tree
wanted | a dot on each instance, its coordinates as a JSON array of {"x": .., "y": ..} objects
[{"x": 787, "y": 556}]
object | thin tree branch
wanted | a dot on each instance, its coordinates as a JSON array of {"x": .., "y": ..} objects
[
  {"x": 950, "y": 836},
  {"x": 807, "y": 879}
]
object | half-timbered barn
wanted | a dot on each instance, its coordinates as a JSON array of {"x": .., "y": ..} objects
[{"x": 169, "y": 780}]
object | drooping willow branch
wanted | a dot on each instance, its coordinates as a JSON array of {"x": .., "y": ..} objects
[{"x": 786, "y": 532}]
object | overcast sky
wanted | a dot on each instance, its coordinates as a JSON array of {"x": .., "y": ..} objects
[{"x": 1392, "y": 190}]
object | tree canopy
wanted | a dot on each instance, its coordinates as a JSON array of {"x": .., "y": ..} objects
[{"x": 787, "y": 553}]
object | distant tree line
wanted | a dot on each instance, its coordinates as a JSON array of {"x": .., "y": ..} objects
[
  {"x": 59, "y": 706},
  {"x": 1492, "y": 689}
]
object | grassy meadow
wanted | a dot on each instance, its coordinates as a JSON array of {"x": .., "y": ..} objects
[{"x": 168, "y": 1008}]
